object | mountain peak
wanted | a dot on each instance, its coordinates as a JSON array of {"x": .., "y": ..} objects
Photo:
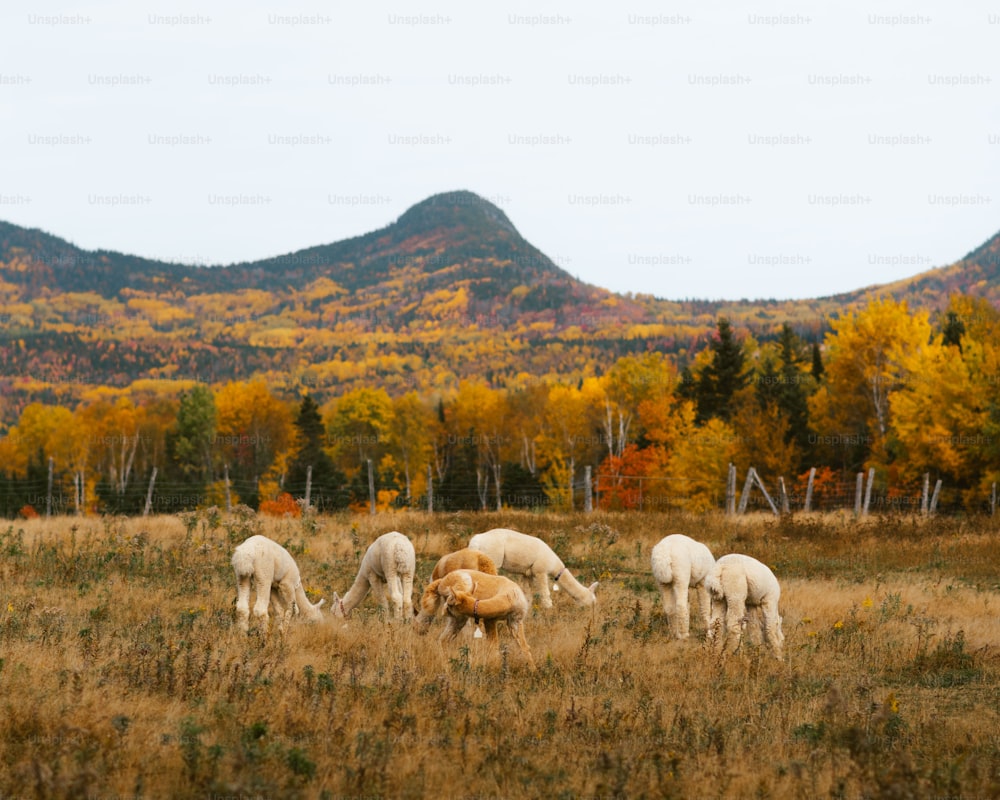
[{"x": 458, "y": 209}]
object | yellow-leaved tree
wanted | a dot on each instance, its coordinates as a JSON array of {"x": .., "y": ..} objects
[{"x": 870, "y": 355}]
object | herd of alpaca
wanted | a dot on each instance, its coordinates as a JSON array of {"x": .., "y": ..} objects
[{"x": 466, "y": 584}]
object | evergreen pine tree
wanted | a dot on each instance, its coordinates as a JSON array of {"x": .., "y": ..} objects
[
  {"x": 952, "y": 330},
  {"x": 192, "y": 450},
  {"x": 791, "y": 395},
  {"x": 817, "y": 363},
  {"x": 327, "y": 484},
  {"x": 721, "y": 379}
]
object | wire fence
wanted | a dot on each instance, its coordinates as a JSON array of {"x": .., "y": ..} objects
[{"x": 588, "y": 490}]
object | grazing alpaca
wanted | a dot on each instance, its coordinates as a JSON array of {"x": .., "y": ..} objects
[
  {"x": 466, "y": 558},
  {"x": 388, "y": 565},
  {"x": 735, "y": 583},
  {"x": 530, "y": 556},
  {"x": 679, "y": 563},
  {"x": 273, "y": 571},
  {"x": 468, "y": 594}
]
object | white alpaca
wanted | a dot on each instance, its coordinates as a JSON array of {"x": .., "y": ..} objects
[
  {"x": 531, "y": 557},
  {"x": 273, "y": 571},
  {"x": 388, "y": 566},
  {"x": 679, "y": 563},
  {"x": 736, "y": 583}
]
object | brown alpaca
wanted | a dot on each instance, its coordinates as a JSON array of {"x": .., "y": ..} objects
[
  {"x": 465, "y": 558},
  {"x": 469, "y": 594}
]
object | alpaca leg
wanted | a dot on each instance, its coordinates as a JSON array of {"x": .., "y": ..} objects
[
  {"x": 395, "y": 589},
  {"x": 243, "y": 602},
  {"x": 715, "y": 622},
  {"x": 771, "y": 626},
  {"x": 378, "y": 590},
  {"x": 517, "y": 633},
  {"x": 262, "y": 602},
  {"x": 540, "y": 584},
  {"x": 669, "y": 606},
  {"x": 736, "y": 612},
  {"x": 285, "y": 603},
  {"x": 407, "y": 596},
  {"x": 452, "y": 627},
  {"x": 682, "y": 612},
  {"x": 704, "y": 605}
]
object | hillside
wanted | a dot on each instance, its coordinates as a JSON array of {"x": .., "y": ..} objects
[
  {"x": 447, "y": 291},
  {"x": 978, "y": 273}
]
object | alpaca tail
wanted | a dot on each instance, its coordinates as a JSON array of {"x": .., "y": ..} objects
[
  {"x": 400, "y": 557},
  {"x": 713, "y": 582},
  {"x": 485, "y": 565}
]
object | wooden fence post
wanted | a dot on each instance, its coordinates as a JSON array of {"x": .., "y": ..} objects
[
  {"x": 745, "y": 497},
  {"x": 809, "y": 490},
  {"x": 496, "y": 480},
  {"x": 430, "y": 489},
  {"x": 868, "y": 490},
  {"x": 934, "y": 498},
  {"x": 149, "y": 494},
  {"x": 229, "y": 498},
  {"x": 587, "y": 489},
  {"x": 925, "y": 494},
  {"x": 572, "y": 478},
  {"x": 858, "y": 488},
  {"x": 309, "y": 483},
  {"x": 783, "y": 495},
  {"x": 731, "y": 490},
  {"x": 371, "y": 487},
  {"x": 48, "y": 498},
  {"x": 767, "y": 497}
]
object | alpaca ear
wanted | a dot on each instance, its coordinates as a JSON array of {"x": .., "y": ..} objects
[
  {"x": 593, "y": 586},
  {"x": 320, "y": 603}
]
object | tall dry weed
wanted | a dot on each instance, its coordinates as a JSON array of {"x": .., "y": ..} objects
[{"x": 122, "y": 671}]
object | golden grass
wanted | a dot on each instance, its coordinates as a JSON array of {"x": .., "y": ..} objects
[{"x": 122, "y": 671}]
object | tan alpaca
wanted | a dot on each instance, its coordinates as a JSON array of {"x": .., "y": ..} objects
[
  {"x": 466, "y": 558},
  {"x": 469, "y": 594}
]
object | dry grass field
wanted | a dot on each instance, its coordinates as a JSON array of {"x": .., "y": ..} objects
[{"x": 122, "y": 673}]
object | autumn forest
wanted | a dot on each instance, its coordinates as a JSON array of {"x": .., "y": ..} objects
[{"x": 443, "y": 360}]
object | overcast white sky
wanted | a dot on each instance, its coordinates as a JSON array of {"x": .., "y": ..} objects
[{"x": 681, "y": 149}]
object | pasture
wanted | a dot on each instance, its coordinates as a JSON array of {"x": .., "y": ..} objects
[{"x": 123, "y": 673}]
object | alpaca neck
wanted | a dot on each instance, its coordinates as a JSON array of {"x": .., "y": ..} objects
[
  {"x": 574, "y": 588},
  {"x": 302, "y": 601},
  {"x": 357, "y": 593}
]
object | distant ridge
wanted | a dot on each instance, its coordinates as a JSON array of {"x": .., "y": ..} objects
[{"x": 449, "y": 291}]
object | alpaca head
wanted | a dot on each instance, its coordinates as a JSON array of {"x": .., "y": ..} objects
[
  {"x": 462, "y": 602},
  {"x": 337, "y": 606},
  {"x": 313, "y": 613},
  {"x": 426, "y": 609}
]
